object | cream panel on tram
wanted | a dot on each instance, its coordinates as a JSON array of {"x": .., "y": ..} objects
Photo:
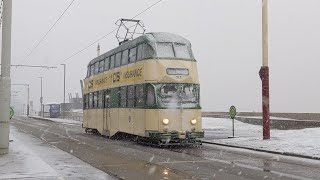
[{"x": 139, "y": 122}]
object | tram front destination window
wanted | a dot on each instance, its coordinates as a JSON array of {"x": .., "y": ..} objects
[{"x": 178, "y": 95}]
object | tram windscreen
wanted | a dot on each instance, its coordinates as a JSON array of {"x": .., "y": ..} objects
[
  {"x": 173, "y": 50},
  {"x": 178, "y": 95}
]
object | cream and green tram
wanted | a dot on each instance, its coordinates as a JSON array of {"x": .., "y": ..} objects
[{"x": 148, "y": 87}]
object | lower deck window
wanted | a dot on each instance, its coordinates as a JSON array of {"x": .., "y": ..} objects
[{"x": 161, "y": 96}]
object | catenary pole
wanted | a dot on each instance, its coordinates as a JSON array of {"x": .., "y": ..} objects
[
  {"x": 28, "y": 105},
  {"x": 41, "y": 99},
  {"x": 264, "y": 73},
  {"x": 5, "y": 81},
  {"x": 64, "y": 88}
]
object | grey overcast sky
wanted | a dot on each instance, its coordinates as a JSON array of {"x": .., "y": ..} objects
[{"x": 225, "y": 35}]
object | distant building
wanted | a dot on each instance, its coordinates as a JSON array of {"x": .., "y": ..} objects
[{"x": 73, "y": 109}]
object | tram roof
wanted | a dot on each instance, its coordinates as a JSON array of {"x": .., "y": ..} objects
[{"x": 148, "y": 38}]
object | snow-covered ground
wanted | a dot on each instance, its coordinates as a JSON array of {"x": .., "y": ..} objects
[
  {"x": 302, "y": 142},
  {"x": 31, "y": 158},
  {"x": 271, "y": 117},
  {"x": 64, "y": 121}
]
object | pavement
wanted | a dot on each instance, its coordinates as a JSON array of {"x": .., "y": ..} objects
[
  {"x": 31, "y": 158},
  {"x": 125, "y": 159}
]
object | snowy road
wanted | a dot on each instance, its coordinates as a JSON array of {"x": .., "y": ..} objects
[{"x": 127, "y": 160}]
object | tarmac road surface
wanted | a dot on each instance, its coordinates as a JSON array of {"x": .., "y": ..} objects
[{"x": 125, "y": 159}]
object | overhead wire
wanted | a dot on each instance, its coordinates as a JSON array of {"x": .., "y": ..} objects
[
  {"x": 104, "y": 36},
  {"x": 47, "y": 33}
]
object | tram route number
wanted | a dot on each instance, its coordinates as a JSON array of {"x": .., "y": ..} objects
[{"x": 116, "y": 77}]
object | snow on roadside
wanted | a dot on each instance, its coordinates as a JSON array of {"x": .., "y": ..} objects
[
  {"x": 303, "y": 141},
  {"x": 65, "y": 121}
]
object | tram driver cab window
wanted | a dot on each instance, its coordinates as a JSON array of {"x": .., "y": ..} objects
[
  {"x": 165, "y": 50},
  {"x": 181, "y": 51}
]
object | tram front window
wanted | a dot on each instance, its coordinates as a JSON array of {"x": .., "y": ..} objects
[{"x": 178, "y": 95}]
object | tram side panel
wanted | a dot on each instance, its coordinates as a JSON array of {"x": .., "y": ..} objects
[
  {"x": 139, "y": 116},
  {"x": 152, "y": 121},
  {"x": 94, "y": 120}
]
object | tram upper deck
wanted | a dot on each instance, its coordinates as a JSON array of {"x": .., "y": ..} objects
[{"x": 150, "y": 58}]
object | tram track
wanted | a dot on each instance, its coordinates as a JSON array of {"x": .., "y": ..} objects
[{"x": 202, "y": 162}]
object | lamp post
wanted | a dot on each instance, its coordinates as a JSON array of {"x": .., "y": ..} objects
[
  {"x": 28, "y": 97},
  {"x": 41, "y": 99},
  {"x": 264, "y": 72},
  {"x": 5, "y": 80},
  {"x": 64, "y": 88}
]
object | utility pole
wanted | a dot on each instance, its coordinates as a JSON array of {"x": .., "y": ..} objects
[
  {"x": 28, "y": 97},
  {"x": 41, "y": 99},
  {"x": 5, "y": 81},
  {"x": 64, "y": 88},
  {"x": 28, "y": 105},
  {"x": 264, "y": 72}
]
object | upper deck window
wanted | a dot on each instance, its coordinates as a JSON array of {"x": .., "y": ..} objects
[
  {"x": 181, "y": 51},
  {"x": 112, "y": 61},
  {"x": 96, "y": 68},
  {"x": 118, "y": 59},
  {"x": 106, "y": 64},
  {"x": 139, "y": 52},
  {"x": 125, "y": 56},
  {"x": 165, "y": 50},
  {"x": 92, "y": 70},
  {"x": 133, "y": 54},
  {"x": 101, "y": 66}
]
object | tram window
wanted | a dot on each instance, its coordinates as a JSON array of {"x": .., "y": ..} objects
[
  {"x": 139, "y": 96},
  {"x": 118, "y": 59},
  {"x": 133, "y": 54},
  {"x": 87, "y": 101},
  {"x": 115, "y": 97},
  {"x": 101, "y": 66},
  {"x": 150, "y": 96},
  {"x": 107, "y": 98},
  {"x": 106, "y": 64},
  {"x": 181, "y": 51},
  {"x": 131, "y": 96},
  {"x": 90, "y": 100},
  {"x": 92, "y": 70},
  {"x": 125, "y": 56},
  {"x": 96, "y": 68},
  {"x": 101, "y": 99},
  {"x": 123, "y": 96},
  {"x": 165, "y": 50},
  {"x": 112, "y": 61},
  {"x": 147, "y": 51},
  {"x": 95, "y": 99},
  {"x": 140, "y": 51}
]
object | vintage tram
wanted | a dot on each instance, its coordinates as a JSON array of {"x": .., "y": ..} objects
[{"x": 147, "y": 87}]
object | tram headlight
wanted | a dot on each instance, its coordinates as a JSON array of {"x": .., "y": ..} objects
[
  {"x": 165, "y": 121},
  {"x": 193, "y": 121}
]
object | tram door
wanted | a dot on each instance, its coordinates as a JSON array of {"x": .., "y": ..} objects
[
  {"x": 106, "y": 113},
  {"x": 130, "y": 105}
]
